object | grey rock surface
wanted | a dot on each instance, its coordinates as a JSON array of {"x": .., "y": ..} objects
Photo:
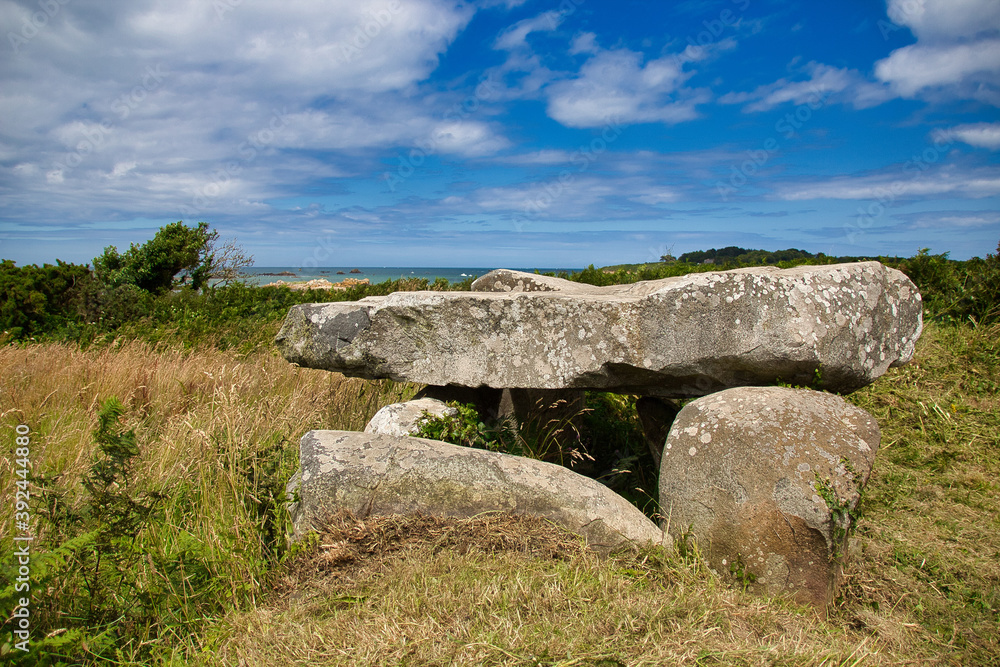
[
  {"x": 372, "y": 474},
  {"x": 678, "y": 337},
  {"x": 405, "y": 418},
  {"x": 655, "y": 417},
  {"x": 765, "y": 479}
]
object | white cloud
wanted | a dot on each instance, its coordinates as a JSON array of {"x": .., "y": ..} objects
[
  {"x": 574, "y": 196},
  {"x": 825, "y": 84},
  {"x": 914, "y": 68},
  {"x": 516, "y": 35},
  {"x": 945, "y": 19},
  {"x": 957, "y": 55},
  {"x": 908, "y": 183},
  {"x": 466, "y": 138},
  {"x": 616, "y": 85},
  {"x": 142, "y": 107},
  {"x": 980, "y": 135},
  {"x": 585, "y": 42},
  {"x": 957, "y": 219},
  {"x": 957, "y": 49},
  {"x": 543, "y": 157}
]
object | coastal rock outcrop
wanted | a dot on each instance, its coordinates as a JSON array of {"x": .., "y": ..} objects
[
  {"x": 838, "y": 327},
  {"x": 372, "y": 474},
  {"x": 766, "y": 481}
]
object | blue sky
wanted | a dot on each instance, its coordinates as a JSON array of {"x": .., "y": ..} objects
[{"x": 500, "y": 132}]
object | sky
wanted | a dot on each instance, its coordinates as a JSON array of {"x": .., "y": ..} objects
[{"x": 518, "y": 133}]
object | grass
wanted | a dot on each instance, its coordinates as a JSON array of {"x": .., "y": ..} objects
[
  {"x": 218, "y": 432},
  {"x": 218, "y": 435}
]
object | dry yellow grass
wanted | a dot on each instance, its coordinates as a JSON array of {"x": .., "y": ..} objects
[{"x": 182, "y": 403}]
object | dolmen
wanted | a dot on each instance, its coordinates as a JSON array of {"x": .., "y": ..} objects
[{"x": 764, "y": 479}]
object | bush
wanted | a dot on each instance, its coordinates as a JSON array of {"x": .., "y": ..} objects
[
  {"x": 152, "y": 267},
  {"x": 39, "y": 300},
  {"x": 957, "y": 291}
]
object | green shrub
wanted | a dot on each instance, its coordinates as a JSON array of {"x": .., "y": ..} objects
[{"x": 38, "y": 300}]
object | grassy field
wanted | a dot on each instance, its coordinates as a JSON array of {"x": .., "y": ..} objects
[{"x": 211, "y": 581}]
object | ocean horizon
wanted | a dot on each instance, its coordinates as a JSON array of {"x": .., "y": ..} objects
[{"x": 262, "y": 275}]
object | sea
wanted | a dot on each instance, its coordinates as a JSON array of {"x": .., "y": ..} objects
[{"x": 262, "y": 275}]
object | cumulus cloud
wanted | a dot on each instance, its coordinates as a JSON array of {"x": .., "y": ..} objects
[
  {"x": 616, "y": 85},
  {"x": 971, "y": 70},
  {"x": 957, "y": 55},
  {"x": 980, "y": 135},
  {"x": 945, "y": 19},
  {"x": 155, "y": 107},
  {"x": 957, "y": 49}
]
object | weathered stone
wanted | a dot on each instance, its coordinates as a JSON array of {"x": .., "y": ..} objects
[
  {"x": 540, "y": 406},
  {"x": 406, "y": 418},
  {"x": 766, "y": 480},
  {"x": 372, "y": 474},
  {"x": 686, "y": 336},
  {"x": 505, "y": 280},
  {"x": 486, "y": 400},
  {"x": 655, "y": 416}
]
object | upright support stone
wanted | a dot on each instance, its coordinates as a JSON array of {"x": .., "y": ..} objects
[
  {"x": 766, "y": 480},
  {"x": 655, "y": 416},
  {"x": 406, "y": 418}
]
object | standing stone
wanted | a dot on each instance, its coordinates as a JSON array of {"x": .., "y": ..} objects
[
  {"x": 655, "y": 416},
  {"x": 765, "y": 480},
  {"x": 371, "y": 475},
  {"x": 406, "y": 418},
  {"x": 677, "y": 337}
]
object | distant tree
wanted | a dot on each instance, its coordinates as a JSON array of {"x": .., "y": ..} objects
[
  {"x": 737, "y": 256},
  {"x": 177, "y": 255},
  {"x": 228, "y": 261}
]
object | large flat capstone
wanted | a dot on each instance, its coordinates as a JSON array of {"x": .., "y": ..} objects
[
  {"x": 376, "y": 474},
  {"x": 677, "y": 337}
]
